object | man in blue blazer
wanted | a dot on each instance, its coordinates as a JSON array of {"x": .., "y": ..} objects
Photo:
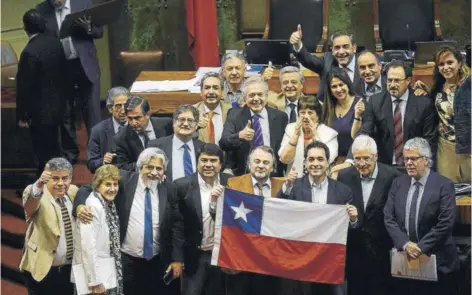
[
  {"x": 419, "y": 216},
  {"x": 100, "y": 148}
]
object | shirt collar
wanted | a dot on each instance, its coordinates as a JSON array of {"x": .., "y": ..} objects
[
  {"x": 153, "y": 187},
  {"x": 378, "y": 84},
  {"x": 217, "y": 110},
  {"x": 404, "y": 97},
  {"x": 268, "y": 182},
  {"x": 321, "y": 185},
  {"x": 179, "y": 143},
  {"x": 287, "y": 102},
  {"x": 422, "y": 180},
  {"x": 203, "y": 183},
  {"x": 118, "y": 124},
  {"x": 262, "y": 114},
  {"x": 374, "y": 174},
  {"x": 65, "y": 7},
  {"x": 227, "y": 89},
  {"x": 32, "y": 36},
  {"x": 351, "y": 66}
]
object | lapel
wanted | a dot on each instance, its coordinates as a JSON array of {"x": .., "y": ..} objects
[
  {"x": 357, "y": 79},
  {"x": 402, "y": 195},
  {"x": 204, "y": 136},
  {"x": 272, "y": 131},
  {"x": 194, "y": 192},
  {"x": 50, "y": 14},
  {"x": 357, "y": 191},
  {"x": 55, "y": 223},
  {"x": 388, "y": 112},
  {"x": 242, "y": 183},
  {"x": 224, "y": 108},
  {"x": 426, "y": 197},
  {"x": 130, "y": 190},
  {"x": 331, "y": 199},
  {"x": 306, "y": 190},
  {"x": 376, "y": 190},
  {"x": 109, "y": 133},
  {"x": 276, "y": 185},
  {"x": 410, "y": 112},
  {"x": 168, "y": 150},
  {"x": 162, "y": 194},
  {"x": 196, "y": 147}
]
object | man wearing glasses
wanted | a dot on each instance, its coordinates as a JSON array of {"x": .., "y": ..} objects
[
  {"x": 181, "y": 148},
  {"x": 398, "y": 115},
  {"x": 419, "y": 216},
  {"x": 368, "y": 268}
]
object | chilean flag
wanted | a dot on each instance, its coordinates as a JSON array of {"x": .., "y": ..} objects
[{"x": 289, "y": 239}]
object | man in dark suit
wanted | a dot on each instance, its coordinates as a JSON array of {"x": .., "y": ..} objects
[
  {"x": 195, "y": 197},
  {"x": 83, "y": 71},
  {"x": 181, "y": 148},
  {"x": 343, "y": 55},
  {"x": 317, "y": 187},
  {"x": 253, "y": 125},
  {"x": 40, "y": 91},
  {"x": 146, "y": 255},
  {"x": 398, "y": 115},
  {"x": 370, "y": 72},
  {"x": 368, "y": 261},
  {"x": 134, "y": 138},
  {"x": 101, "y": 146},
  {"x": 419, "y": 216}
]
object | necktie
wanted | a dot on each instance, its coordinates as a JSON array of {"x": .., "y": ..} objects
[
  {"x": 120, "y": 127},
  {"x": 188, "y": 170},
  {"x": 258, "y": 140},
  {"x": 412, "y": 217},
  {"x": 259, "y": 188},
  {"x": 346, "y": 71},
  {"x": 293, "y": 114},
  {"x": 211, "y": 127},
  {"x": 148, "y": 242},
  {"x": 371, "y": 90},
  {"x": 235, "y": 105},
  {"x": 67, "y": 229},
  {"x": 145, "y": 137},
  {"x": 398, "y": 138}
]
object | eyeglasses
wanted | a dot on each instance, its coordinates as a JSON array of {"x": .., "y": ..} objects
[
  {"x": 118, "y": 107},
  {"x": 183, "y": 120},
  {"x": 413, "y": 159},
  {"x": 396, "y": 81}
]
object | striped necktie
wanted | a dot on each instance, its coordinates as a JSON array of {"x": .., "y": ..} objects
[
  {"x": 258, "y": 139},
  {"x": 67, "y": 228},
  {"x": 398, "y": 133}
]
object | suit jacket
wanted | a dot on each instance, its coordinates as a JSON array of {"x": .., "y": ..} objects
[
  {"x": 129, "y": 146},
  {"x": 322, "y": 65},
  {"x": 420, "y": 121},
  {"x": 190, "y": 208},
  {"x": 238, "y": 150},
  {"x": 244, "y": 184},
  {"x": 203, "y": 133},
  {"x": 436, "y": 218},
  {"x": 83, "y": 42},
  {"x": 40, "y": 81},
  {"x": 166, "y": 144},
  {"x": 338, "y": 193},
  {"x": 100, "y": 143},
  {"x": 170, "y": 226},
  {"x": 43, "y": 233},
  {"x": 277, "y": 100}
]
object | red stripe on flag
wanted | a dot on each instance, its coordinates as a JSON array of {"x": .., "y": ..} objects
[{"x": 303, "y": 261}]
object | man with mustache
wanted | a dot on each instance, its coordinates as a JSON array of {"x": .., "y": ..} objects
[
  {"x": 181, "y": 148},
  {"x": 291, "y": 83},
  {"x": 342, "y": 55},
  {"x": 397, "y": 115},
  {"x": 100, "y": 146},
  {"x": 194, "y": 193},
  {"x": 212, "y": 109},
  {"x": 151, "y": 235},
  {"x": 419, "y": 215},
  {"x": 368, "y": 268},
  {"x": 253, "y": 125}
]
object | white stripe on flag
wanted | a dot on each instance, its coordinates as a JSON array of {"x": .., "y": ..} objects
[{"x": 302, "y": 221}]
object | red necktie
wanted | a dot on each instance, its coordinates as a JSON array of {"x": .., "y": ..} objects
[
  {"x": 211, "y": 127},
  {"x": 398, "y": 139}
]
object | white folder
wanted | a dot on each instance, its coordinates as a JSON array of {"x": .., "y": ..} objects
[
  {"x": 107, "y": 273},
  {"x": 423, "y": 268}
]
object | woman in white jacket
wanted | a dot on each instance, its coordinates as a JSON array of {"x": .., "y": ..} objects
[
  {"x": 306, "y": 130},
  {"x": 100, "y": 239}
]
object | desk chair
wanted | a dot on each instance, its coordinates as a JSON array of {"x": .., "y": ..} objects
[{"x": 137, "y": 61}]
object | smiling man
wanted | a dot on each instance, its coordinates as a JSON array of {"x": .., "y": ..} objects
[
  {"x": 253, "y": 125},
  {"x": 370, "y": 71}
]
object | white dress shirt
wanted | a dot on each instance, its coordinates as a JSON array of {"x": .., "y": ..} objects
[
  {"x": 178, "y": 157},
  {"x": 217, "y": 121},
  {"x": 367, "y": 184},
  {"x": 266, "y": 187},
  {"x": 207, "y": 221},
  {"x": 133, "y": 243},
  {"x": 149, "y": 131},
  {"x": 116, "y": 126},
  {"x": 264, "y": 121},
  {"x": 403, "y": 103},
  {"x": 351, "y": 68},
  {"x": 60, "y": 16},
  {"x": 288, "y": 109},
  {"x": 319, "y": 192}
]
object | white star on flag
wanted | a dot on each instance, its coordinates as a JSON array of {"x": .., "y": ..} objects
[{"x": 241, "y": 212}]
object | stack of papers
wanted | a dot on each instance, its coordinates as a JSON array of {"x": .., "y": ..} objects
[
  {"x": 423, "y": 268},
  {"x": 162, "y": 86}
]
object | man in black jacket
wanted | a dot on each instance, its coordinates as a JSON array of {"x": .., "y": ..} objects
[{"x": 40, "y": 88}]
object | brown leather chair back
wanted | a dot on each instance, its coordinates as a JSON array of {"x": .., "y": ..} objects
[{"x": 137, "y": 61}]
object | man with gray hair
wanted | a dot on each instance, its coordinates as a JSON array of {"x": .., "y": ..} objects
[
  {"x": 100, "y": 146},
  {"x": 291, "y": 84},
  {"x": 368, "y": 267},
  {"x": 419, "y": 216},
  {"x": 233, "y": 68},
  {"x": 253, "y": 125},
  {"x": 181, "y": 147},
  {"x": 49, "y": 244},
  {"x": 151, "y": 235}
]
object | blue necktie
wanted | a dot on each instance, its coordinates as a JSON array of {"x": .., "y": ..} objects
[
  {"x": 148, "y": 242},
  {"x": 235, "y": 105},
  {"x": 258, "y": 140},
  {"x": 187, "y": 161},
  {"x": 412, "y": 217}
]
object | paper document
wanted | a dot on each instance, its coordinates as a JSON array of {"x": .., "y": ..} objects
[
  {"x": 107, "y": 273},
  {"x": 423, "y": 268},
  {"x": 162, "y": 86}
]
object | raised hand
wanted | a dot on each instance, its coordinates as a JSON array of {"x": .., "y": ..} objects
[
  {"x": 268, "y": 72},
  {"x": 217, "y": 192},
  {"x": 44, "y": 178},
  {"x": 203, "y": 122},
  {"x": 359, "y": 108},
  {"x": 296, "y": 37},
  {"x": 247, "y": 133},
  {"x": 108, "y": 158},
  {"x": 292, "y": 176}
]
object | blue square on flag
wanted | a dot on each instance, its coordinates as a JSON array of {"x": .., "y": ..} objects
[{"x": 243, "y": 211}]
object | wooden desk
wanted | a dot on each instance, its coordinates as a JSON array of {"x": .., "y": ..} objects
[
  {"x": 463, "y": 205},
  {"x": 167, "y": 102}
]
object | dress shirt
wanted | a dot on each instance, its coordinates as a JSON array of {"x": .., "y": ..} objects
[
  {"x": 367, "y": 184},
  {"x": 207, "y": 221},
  {"x": 266, "y": 187},
  {"x": 351, "y": 68},
  {"x": 60, "y": 16},
  {"x": 230, "y": 96},
  {"x": 133, "y": 243},
  {"x": 377, "y": 88},
  {"x": 319, "y": 192},
  {"x": 149, "y": 131},
  {"x": 217, "y": 121},
  {"x": 403, "y": 103},
  {"x": 60, "y": 258},
  {"x": 116, "y": 126},
  {"x": 288, "y": 109},
  {"x": 178, "y": 157},
  {"x": 264, "y": 121},
  {"x": 422, "y": 181}
]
